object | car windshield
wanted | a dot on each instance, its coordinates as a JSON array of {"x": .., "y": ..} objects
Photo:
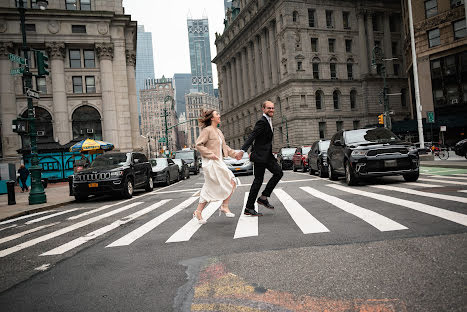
[
  {"x": 177, "y": 161},
  {"x": 158, "y": 162},
  {"x": 288, "y": 151},
  {"x": 378, "y": 135},
  {"x": 111, "y": 160},
  {"x": 306, "y": 149},
  {"x": 185, "y": 155},
  {"x": 324, "y": 146}
]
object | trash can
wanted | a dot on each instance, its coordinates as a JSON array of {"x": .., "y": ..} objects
[
  {"x": 70, "y": 184},
  {"x": 10, "y": 185}
]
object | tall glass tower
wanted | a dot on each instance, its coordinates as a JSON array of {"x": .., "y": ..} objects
[
  {"x": 227, "y": 4},
  {"x": 182, "y": 86},
  {"x": 200, "y": 55},
  {"x": 144, "y": 61}
]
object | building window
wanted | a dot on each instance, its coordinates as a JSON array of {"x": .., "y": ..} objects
[
  {"x": 379, "y": 69},
  {"x": 299, "y": 66},
  {"x": 353, "y": 99},
  {"x": 25, "y": 3},
  {"x": 404, "y": 97},
  {"x": 315, "y": 70},
  {"x": 86, "y": 123},
  {"x": 336, "y": 99},
  {"x": 71, "y": 5},
  {"x": 90, "y": 84},
  {"x": 348, "y": 45},
  {"x": 331, "y": 43},
  {"x": 75, "y": 59},
  {"x": 319, "y": 99},
  {"x": 332, "y": 68},
  {"x": 456, "y": 3},
  {"x": 394, "y": 48},
  {"x": 302, "y": 100},
  {"x": 314, "y": 44},
  {"x": 377, "y": 43},
  {"x": 339, "y": 125},
  {"x": 30, "y": 27},
  {"x": 322, "y": 130},
  {"x": 396, "y": 69},
  {"x": 431, "y": 8},
  {"x": 350, "y": 71},
  {"x": 78, "y": 29},
  {"x": 295, "y": 16},
  {"x": 356, "y": 124},
  {"x": 85, "y": 5},
  {"x": 329, "y": 19},
  {"x": 41, "y": 85},
  {"x": 460, "y": 31},
  {"x": 311, "y": 18},
  {"x": 89, "y": 59},
  {"x": 346, "y": 21},
  {"x": 433, "y": 37},
  {"x": 77, "y": 84}
]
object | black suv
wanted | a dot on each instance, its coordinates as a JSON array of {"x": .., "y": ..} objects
[
  {"x": 371, "y": 152},
  {"x": 191, "y": 157},
  {"x": 119, "y": 173}
]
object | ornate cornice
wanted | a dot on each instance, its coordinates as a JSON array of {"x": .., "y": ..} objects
[
  {"x": 442, "y": 18},
  {"x": 55, "y": 49},
  {"x": 105, "y": 50},
  {"x": 6, "y": 48},
  {"x": 130, "y": 58}
]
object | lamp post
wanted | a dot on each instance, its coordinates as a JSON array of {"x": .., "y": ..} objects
[
  {"x": 286, "y": 130},
  {"x": 166, "y": 98},
  {"x": 37, "y": 194}
]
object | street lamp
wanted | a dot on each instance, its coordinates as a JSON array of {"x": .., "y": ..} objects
[
  {"x": 166, "y": 98},
  {"x": 37, "y": 194},
  {"x": 286, "y": 130}
]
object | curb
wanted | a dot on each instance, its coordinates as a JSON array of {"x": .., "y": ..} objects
[{"x": 27, "y": 212}]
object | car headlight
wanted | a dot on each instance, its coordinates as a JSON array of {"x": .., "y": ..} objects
[
  {"x": 76, "y": 177},
  {"x": 412, "y": 148},
  {"x": 359, "y": 152},
  {"x": 116, "y": 173},
  {"x": 246, "y": 163}
]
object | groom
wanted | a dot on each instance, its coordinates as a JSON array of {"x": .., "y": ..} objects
[{"x": 262, "y": 156}]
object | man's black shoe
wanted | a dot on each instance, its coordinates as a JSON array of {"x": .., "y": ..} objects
[
  {"x": 265, "y": 203},
  {"x": 252, "y": 212}
]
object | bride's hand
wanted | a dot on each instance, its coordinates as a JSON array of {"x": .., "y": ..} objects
[{"x": 214, "y": 157}]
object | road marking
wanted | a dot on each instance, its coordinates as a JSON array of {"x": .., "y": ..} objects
[
  {"x": 6, "y": 252},
  {"x": 90, "y": 236},
  {"x": 443, "y": 181},
  {"x": 289, "y": 181},
  {"x": 25, "y": 217},
  {"x": 435, "y": 211},
  {"x": 377, "y": 220},
  {"x": 18, "y": 235},
  {"x": 419, "y": 193},
  {"x": 305, "y": 221},
  {"x": 151, "y": 225},
  {"x": 9, "y": 227},
  {"x": 463, "y": 191},
  {"x": 247, "y": 226},
  {"x": 180, "y": 191},
  {"x": 451, "y": 177},
  {"x": 189, "y": 229},
  {"x": 43, "y": 267},
  {"x": 439, "y": 171},
  {"x": 51, "y": 216},
  {"x": 422, "y": 184}
]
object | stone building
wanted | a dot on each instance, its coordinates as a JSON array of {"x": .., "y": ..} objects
[
  {"x": 441, "y": 47},
  {"x": 90, "y": 91},
  {"x": 195, "y": 102},
  {"x": 313, "y": 60},
  {"x": 157, "y": 95}
]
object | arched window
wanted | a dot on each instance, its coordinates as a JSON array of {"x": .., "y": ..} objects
[
  {"x": 295, "y": 16},
  {"x": 86, "y": 123},
  {"x": 353, "y": 99},
  {"x": 44, "y": 127},
  {"x": 336, "y": 99},
  {"x": 319, "y": 99}
]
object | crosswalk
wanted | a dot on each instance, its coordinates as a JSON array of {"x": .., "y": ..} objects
[{"x": 299, "y": 201}]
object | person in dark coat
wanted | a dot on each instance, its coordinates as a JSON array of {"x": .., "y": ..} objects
[{"x": 23, "y": 176}]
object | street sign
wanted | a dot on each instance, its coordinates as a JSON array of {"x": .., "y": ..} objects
[
  {"x": 17, "y": 59},
  {"x": 32, "y": 93},
  {"x": 16, "y": 71},
  {"x": 442, "y": 128},
  {"x": 430, "y": 116},
  {"x": 161, "y": 140}
]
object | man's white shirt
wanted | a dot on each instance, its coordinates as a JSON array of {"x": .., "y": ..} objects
[{"x": 269, "y": 120}]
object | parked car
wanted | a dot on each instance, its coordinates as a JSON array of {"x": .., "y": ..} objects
[
  {"x": 164, "y": 170},
  {"x": 191, "y": 157},
  {"x": 300, "y": 158},
  {"x": 284, "y": 157},
  {"x": 114, "y": 173},
  {"x": 317, "y": 158},
  {"x": 371, "y": 152},
  {"x": 239, "y": 166},
  {"x": 461, "y": 148},
  {"x": 183, "y": 170}
]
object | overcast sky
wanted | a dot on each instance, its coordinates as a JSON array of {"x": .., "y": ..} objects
[{"x": 166, "y": 20}]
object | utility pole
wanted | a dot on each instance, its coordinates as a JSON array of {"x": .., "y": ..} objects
[{"x": 166, "y": 98}]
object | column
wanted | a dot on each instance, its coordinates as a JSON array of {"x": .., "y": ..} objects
[
  {"x": 362, "y": 44},
  {"x": 131, "y": 78},
  {"x": 105, "y": 54},
  {"x": 223, "y": 91},
  {"x": 245, "y": 75},
  {"x": 371, "y": 37},
  {"x": 62, "y": 129},
  {"x": 387, "y": 42},
  {"x": 228, "y": 82},
  {"x": 10, "y": 140},
  {"x": 265, "y": 59},
  {"x": 259, "y": 81},
  {"x": 233, "y": 65},
  {"x": 251, "y": 69},
  {"x": 238, "y": 65},
  {"x": 273, "y": 54}
]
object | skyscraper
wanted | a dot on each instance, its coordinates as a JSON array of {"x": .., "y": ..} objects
[
  {"x": 200, "y": 55},
  {"x": 182, "y": 86},
  {"x": 227, "y": 4},
  {"x": 144, "y": 61}
]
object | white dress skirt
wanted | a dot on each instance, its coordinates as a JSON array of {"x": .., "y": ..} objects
[{"x": 217, "y": 180}]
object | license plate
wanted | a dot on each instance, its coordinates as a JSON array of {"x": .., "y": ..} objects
[
  {"x": 93, "y": 184},
  {"x": 237, "y": 169},
  {"x": 390, "y": 163}
]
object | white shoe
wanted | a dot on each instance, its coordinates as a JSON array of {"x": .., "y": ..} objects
[
  {"x": 227, "y": 214},
  {"x": 200, "y": 221}
]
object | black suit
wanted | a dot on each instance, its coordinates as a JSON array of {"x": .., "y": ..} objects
[{"x": 261, "y": 155}]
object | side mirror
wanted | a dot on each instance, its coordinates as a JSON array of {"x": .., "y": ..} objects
[
  {"x": 338, "y": 143},
  {"x": 136, "y": 161}
]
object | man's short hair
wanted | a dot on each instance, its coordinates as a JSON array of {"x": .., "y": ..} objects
[{"x": 264, "y": 103}]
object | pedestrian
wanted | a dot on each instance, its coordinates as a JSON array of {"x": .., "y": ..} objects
[
  {"x": 219, "y": 181},
  {"x": 263, "y": 158},
  {"x": 23, "y": 176}
]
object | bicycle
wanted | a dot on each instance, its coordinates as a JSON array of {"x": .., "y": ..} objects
[{"x": 442, "y": 153}]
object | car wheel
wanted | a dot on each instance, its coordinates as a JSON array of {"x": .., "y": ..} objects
[
  {"x": 196, "y": 172},
  {"x": 411, "y": 177},
  {"x": 321, "y": 172},
  {"x": 167, "y": 179},
  {"x": 303, "y": 167},
  {"x": 312, "y": 171},
  {"x": 150, "y": 184},
  {"x": 332, "y": 174},
  {"x": 81, "y": 197},
  {"x": 293, "y": 168},
  {"x": 282, "y": 166},
  {"x": 128, "y": 188},
  {"x": 350, "y": 175}
]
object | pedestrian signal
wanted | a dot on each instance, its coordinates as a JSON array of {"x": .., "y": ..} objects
[
  {"x": 42, "y": 65},
  {"x": 381, "y": 119}
]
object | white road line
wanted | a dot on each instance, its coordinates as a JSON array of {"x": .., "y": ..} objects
[
  {"x": 43, "y": 267},
  {"x": 419, "y": 193},
  {"x": 90, "y": 236},
  {"x": 451, "y": 177},
  {"x": 443, "y": 181},
  {"x": 6, "y": 252},
  {"x": 422, "y": 184},
  {"x": 289, "y": 181},
  {"x": 247, "y": 226},
  {"x": 51, "y": 216},
  {"x": 9, "y": 227},
  {"x": 463, "y": 191},
  {"x": 189, "y": 229},
  {"x": 180, "y": 191},
  {"x": 305, "y": 221},
  {"x": 380, "y": 222},
  {"x": 151, "y": 225},
  {"x": 438, "y": 171},
  {"x": 434, "y": 211},
  {"x": 26, "y": 217},
  {"x": 18, "y": 235}
]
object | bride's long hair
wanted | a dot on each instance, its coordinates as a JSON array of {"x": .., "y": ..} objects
[{"x": 205, "y": 119}]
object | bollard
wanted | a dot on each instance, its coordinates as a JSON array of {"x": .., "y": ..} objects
[
  {"x": 10, "y": 186},
  {"x": 70, "y": 184}
]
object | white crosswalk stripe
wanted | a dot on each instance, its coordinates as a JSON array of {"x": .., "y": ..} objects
[
  {"x": 380, "y": 222},
  {"x": 25, "y": 217},
  {"x": 419, "y": 193},
  {"x": 422, "y": 184},
  {"x": 442, "y": 181},
  {"x": 21, "y": 234},
  {"x": 247, "y": 226},
  {"x": 305, "y": 221},
  {"x": 9, "y": 227},
  {"x": 51, "y": 216},
  {"x": 452, "y": 177}
]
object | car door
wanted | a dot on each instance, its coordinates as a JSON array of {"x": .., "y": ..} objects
[
  {"x": 332, "y": 151},
  {"x": 173, "y": 169},
  {"x": 139, "y": 168},
  {"x": 312, "y": 156},
  {"x": 339, "y": 152}
]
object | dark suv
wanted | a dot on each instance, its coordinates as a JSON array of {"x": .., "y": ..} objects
[
  {"x": 191, "y": 157},
  {"x": 118, "y": 173},
  {"x": 371, "y": 152}
]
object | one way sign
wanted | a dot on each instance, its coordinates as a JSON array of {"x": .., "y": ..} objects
[{"x": 32, "y": 93}]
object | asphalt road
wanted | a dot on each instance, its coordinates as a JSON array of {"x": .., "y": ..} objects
[{"x": 385, "y": 245}]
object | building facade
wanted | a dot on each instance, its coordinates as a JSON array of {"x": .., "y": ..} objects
[
  {"x": 200, "y": 55},
  {"x": 182, "y": 85},
  {"x": 195, "y": 102},
  {"x": 144, "y": 60},
  {"x": 91, "y": 90},
  {"x": 158, "y": 112},
  {"x": 313, "y": 60},
  {"x": 441, "y": 47}
]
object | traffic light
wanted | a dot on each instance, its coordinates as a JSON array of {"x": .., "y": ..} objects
[
  {"x": 20, "y": 126},
  {"x": 381, "y": 119},
  {"x": 42, "y": 65}
]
